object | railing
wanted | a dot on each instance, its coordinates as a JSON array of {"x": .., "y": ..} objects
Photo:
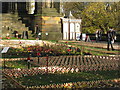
[{"x": 82, "y": 63}]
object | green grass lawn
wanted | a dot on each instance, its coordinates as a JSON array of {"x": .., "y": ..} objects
[
  {"x": 85, "y": 48},
  {"x": 101, "y": 49},
  {"x": 17, "y": 64},
  {"x": 96, "y": 53},
  {"x": 44, "y": 79},
  {"x": 94, "y": 50}
]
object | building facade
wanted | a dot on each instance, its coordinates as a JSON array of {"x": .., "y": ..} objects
[{"x": 41, "y": 18}]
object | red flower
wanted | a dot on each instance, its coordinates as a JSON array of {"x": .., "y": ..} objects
[
  {"x": 66, "y": 42},
  {"x": 68, "y": 50},
  {"x": 38, "y": 54},
  {"x": 28, "y": 49},
  {"x": 20, "y": 42},
  {"x": 28, "y": 58},
  {"x": 8, "y": 37}
]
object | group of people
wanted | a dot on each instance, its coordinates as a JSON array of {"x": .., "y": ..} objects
[
  {"x": 24, "y": 35},
  {"x": 111, "y": 37}
]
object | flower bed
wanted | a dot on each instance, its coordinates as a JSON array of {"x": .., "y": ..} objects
[
  {"x": 37, "y": 78},
  {"x": 42, "y": 70},
  {"x": 46, "y": 49},
  {"x": 34, "y": 71}
]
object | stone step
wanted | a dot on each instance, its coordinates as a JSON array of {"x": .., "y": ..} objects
[{"x": 14, "y": 23}]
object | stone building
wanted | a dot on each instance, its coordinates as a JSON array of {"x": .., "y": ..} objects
[
  {"x": 43, "y": 20},
  {"x": 40, "y": 19}
]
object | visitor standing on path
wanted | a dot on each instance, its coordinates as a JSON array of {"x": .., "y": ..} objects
[
  {"x": 111, "y": 35},
  {"x": 98, "y": 35}
]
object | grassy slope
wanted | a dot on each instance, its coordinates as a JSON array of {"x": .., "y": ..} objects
[{"x": 66, "y": 78}]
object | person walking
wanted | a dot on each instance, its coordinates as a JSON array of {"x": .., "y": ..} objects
[
  {"x": 98, "y": 35},
  {"x": 111, "y": 34}
]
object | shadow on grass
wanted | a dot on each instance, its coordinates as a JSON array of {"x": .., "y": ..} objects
[{"x": 46, "y": 79}]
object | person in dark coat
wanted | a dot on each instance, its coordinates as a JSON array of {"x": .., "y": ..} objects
[
  {"x": 111, "y": 37},
  {"x": 15, "y": 33},
  {"x": 25, "y": 35}
]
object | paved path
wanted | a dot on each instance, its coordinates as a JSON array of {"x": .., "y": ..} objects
[
  {"x": 19, "y": 43},
  {"x": 94, "y": 44},
  {"x": 102, "y": 46}
]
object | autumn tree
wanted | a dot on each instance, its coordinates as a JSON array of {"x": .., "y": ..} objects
[{"x": 95, "y": 15}]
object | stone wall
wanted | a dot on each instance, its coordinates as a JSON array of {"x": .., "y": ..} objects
[{"x": 50, "y": 28}]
